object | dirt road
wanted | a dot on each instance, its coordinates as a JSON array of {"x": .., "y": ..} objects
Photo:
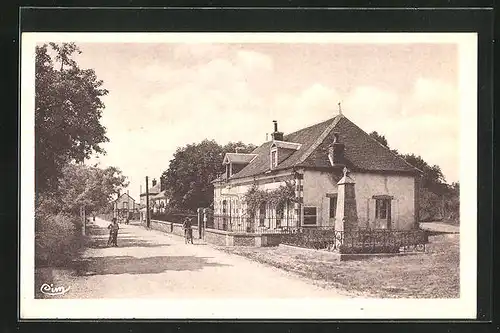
[{"x": 152, "y": 264}]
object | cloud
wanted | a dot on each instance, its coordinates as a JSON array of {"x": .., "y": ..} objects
[
  {"x": 431, "y": 96},
  {"x": 423, "y": 131},
  {"x": 198, "y": 51},
  {"x": 254, "y": 60},
  {"x": 197, "y": 91},
  {"x": 312, "y": 105}
]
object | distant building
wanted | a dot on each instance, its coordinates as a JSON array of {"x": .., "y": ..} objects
[
  {"x": 124, "y": 206},
  {"x": 312, "y": 161},
  {"x": 153, "y": 191},
  {"x": 159, "y": 202}
]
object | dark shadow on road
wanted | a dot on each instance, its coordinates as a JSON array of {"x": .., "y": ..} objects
[
  {"x": 148, "y": 265},
  {"x": 124, "y": 242}
]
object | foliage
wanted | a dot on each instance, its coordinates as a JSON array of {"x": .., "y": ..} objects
[
  {"x": 68, "y": 108},
  {"x": 188, "y": 179},
  {"x": 58, "y": 237},
  {"x": 82, "y": 185},
  {"x": 254, "y": 197},
  {"x": 378, "y": 137}
]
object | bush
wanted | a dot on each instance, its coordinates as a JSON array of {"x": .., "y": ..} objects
[{"x": 58, "y": 239}]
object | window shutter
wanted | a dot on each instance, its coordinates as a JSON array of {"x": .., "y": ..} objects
[{"x": 372, "y": 207}]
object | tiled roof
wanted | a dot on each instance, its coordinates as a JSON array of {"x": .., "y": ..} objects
[
  {"x": 362, "y": 152},
  {"x": 122, "y": 196},
  {"x": 160, "y": 195},
  {"x": 238, "y": 157}
]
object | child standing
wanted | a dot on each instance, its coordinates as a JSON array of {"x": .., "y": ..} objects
[{"x": 113, "y": 233}]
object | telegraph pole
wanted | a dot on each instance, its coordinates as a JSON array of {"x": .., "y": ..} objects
[
  {"x": 128, "y": 205},
  {"x": 147, "y": 202}
]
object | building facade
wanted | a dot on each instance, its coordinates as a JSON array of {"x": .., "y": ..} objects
[
  {"x": 153, "y": 191},
  {"x": 124, "y": 206},
  {"x": 309, "y": 165}
]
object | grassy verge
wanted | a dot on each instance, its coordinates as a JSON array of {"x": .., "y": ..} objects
[
  {"x": 58, "y": 242},
  {"x": 434, "y": 274}
]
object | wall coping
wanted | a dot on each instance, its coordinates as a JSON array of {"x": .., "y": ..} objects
[
  {"x": 174, "y": 223},
  {"x": 236, "y": 233}
]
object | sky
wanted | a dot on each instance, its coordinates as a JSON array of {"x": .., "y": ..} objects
[{"x": 166, "y": 95}]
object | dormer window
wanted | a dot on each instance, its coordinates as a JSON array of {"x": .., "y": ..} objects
[
  {"x": 274, "y": 157},
  {"x": 235, "y": 162}
]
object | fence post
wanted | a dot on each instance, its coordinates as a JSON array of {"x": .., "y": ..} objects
[{"x": 200, "y": 218}]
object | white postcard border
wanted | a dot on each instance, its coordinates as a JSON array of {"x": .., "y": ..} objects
[{"x": 462, "y": 308}]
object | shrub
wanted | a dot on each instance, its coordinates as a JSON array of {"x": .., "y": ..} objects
[{"x": 58, "y": 239}]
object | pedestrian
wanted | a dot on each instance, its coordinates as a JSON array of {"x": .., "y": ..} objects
[
  {"x": 113, "y": 233},
  {"x": 188, "y": 232}
]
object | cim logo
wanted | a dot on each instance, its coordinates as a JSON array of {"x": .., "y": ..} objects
[{"x": 53, "y": 291}]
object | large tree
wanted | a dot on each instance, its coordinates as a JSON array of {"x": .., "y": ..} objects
[
  {"x": 84, "y": 186},
  {"x": 68, "y": 109},
  {"x": 188, "y": 179}
]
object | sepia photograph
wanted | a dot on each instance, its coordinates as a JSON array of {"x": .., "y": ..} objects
[{"x": 256, "y": 175}]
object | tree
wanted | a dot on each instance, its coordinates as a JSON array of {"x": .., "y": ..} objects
[
  {"x": 380, "y": 138},
  {"x": 188, "y": 179},
  {"x": 433, "y": 178},
  {"x": 68, "y": 109},
  {"x": 87, "y": 186}
]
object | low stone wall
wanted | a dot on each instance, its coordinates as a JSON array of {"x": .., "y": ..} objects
[
  {"x": 228, "y": 238},
  {"x": 216, "y": 237},
  {"x": 171, "y": 227},
  {"x": 219, "y": 237}
]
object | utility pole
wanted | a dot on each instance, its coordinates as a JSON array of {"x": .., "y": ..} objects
[
  {"x": 147, "y": 202},
  {"x": 128, "y": 205}
]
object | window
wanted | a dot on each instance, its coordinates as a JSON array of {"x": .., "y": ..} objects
[
  {"x": 274, "y": 158},
  {"x": 262, "y": 214},
  {"x": 383, "y": 209},
  {"x": 125, "y": 206},
  {"x": 333, "y": 206},
  {"x": 310, "y": 215},
  {"x": 280, "y": 210},
  {"x": 224, "y": 207}
]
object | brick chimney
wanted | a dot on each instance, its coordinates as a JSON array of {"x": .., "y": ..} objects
[
  {"x": 276, "y": 135},
  {"x": 336, "y": 150},
  {"x": 153, "y": 182}
]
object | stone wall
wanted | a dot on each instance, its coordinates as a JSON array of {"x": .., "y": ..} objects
[
  {"x": 214, "y": 237},
  {"x": 244, "y": 240},
  {"x": 219, "y": 237}
]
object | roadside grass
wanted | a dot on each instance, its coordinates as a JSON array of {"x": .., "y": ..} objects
[{"x": 433, "y": 274}]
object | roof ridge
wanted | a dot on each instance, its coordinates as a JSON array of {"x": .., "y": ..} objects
[
  {"x": 304, "y": 128},
  {"x": 242, "y": 153},
  {"x": 320, "y": 139}
]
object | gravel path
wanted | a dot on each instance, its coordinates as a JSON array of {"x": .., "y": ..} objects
[{"x": 153, "y": 264}]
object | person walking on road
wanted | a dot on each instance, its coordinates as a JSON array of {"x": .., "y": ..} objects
[
  {"x": 113, "y": 233},
  {"x": 188, "y": 232}
]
